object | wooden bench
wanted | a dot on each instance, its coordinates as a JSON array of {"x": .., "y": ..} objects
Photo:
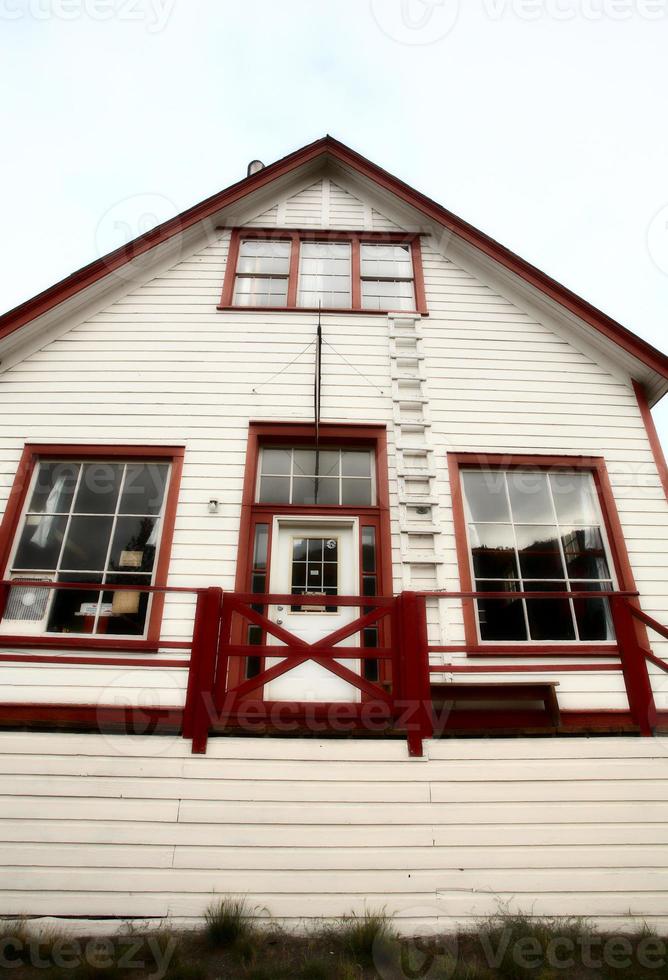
[{"x": 454, "y": 692}]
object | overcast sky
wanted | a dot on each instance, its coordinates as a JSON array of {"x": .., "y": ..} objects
[{"x": 542, "y": 122}]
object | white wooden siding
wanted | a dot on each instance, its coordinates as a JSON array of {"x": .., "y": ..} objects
[
  {"x": 163, "y": 365},
  {"x": 137, "y": 828}
]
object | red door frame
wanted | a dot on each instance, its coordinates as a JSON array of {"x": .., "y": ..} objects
[{"x": 348, "y": 435}]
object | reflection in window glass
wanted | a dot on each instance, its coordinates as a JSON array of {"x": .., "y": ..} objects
[
  {"x": 315, "y": 569},
  {"x": 325, "y": 275},
  {"x": 330, "y": 478},
  {"x": 94, "y": 522},
  {"x": 263, "y": 269},
  {"x": 387, "y": 277},
  {"x": 533, "y": 531}
]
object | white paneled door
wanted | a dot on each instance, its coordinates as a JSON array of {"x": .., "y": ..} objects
[{"x": 316, "y": 556}]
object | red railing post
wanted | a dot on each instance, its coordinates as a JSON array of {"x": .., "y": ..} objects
[
  {"x": 415, "y": 686},
  {"x": 199, "y": 698},
  {"x": 634, "y": 666},
  {"x": 4, "y": 595}
]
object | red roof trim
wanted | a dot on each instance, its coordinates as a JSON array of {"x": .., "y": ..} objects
[{"x": 92, "y": 273}]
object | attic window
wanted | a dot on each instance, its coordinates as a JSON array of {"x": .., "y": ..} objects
[
  {"x": 330, "y": 270},
  {"x": 263, "y": 270}
]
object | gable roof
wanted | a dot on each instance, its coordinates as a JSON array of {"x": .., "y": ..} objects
[{"x": 89, "y": 275}]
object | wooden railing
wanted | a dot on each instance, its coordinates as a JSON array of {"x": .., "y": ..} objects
[
  {"x": 400, "y": 697},
  {"x": 398, "y": 702},
  {"x": 628, "y": 646}
]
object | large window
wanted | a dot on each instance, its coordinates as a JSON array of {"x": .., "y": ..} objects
[
  {"x": 537, "y": 531},
  {"x": 330, "y": 477},
  {"x": 94, "y": 521},
  {"x": 376, "y": 272}
]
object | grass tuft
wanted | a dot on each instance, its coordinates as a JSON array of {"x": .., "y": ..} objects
[
  {"x": 228, "y": 922},
  {"x": 361, "y": 937}
]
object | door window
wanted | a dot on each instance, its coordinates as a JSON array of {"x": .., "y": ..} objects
[{"x": 314, "y": 570}]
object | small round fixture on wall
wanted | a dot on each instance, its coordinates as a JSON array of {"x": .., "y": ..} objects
[{"x": 213, "y": 506}]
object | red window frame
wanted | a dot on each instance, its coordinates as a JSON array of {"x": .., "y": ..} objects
[
  {"x": 352, "y": 435},
  {"x": 32, "y": 454},
  {"x": 298, "y": 235},
  {"x": 593, "y": 464}
]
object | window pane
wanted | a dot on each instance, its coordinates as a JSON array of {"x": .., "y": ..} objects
[
  {"x": 304, "y": 490},
  {"x": 275, "y": 490},
  {"x": 259, "y": 257},
  {"x": 585, "y": 553},
  {"x": 73, "y": 610},
  {"x": 381, "y": 295},
  {"x": 98, "y": 488},
  {"x": 276, "y": 462},
  {"x": 260, "y": 292},
  {"x": 501, "y": 619},
  {"x": 144, "y": 488},
  {"x": 355, "y": 462},
  {"x": 485, "y": 496},
  {"x": 540, "y": 556},
  {"x": 593, "y": 616},
  {"x": 575, "y": 498},
  {"x": 324, "y": 274},
  {"x": 260, "y": 546},
  {"x": 328, "y": 463},
  {"x": 134, "y": 544},
  {"x": 315, "y": 549},
  {"x": 549, "y": 619},
  {"x": 493, "y": 549},
  {"x": 368, "y": 549},
  {"x": 40, "y": 543},
  {"x": 87, "y": 543},
  {"x": 54, "y": 488},
  {"x": 530, "y": 497},
  {"x": 124, "y": 613},
  {"x": 356, "y": 493},
  {"x": 386, "y": 261}
]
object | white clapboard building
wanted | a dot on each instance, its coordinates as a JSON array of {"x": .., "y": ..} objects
[{"x": 334, "y": 572}]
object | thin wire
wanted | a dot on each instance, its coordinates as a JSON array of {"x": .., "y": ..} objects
[
  {"x": 316, "y": 399},
  {"x": 283, "y": 369},
  {"x": 350, "y": 364}
]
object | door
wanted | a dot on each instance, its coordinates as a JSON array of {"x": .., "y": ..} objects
[{"x": 318, "y": 556}]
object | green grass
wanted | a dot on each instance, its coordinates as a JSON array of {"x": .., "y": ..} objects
[{"x": 363, "y": 946}]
